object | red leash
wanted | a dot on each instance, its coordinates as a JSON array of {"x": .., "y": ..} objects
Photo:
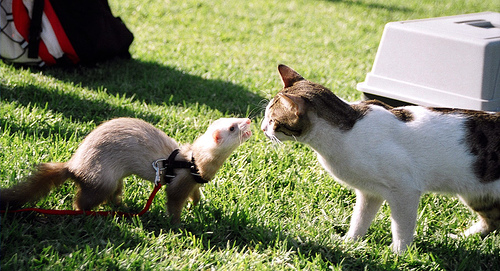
[{"x": 94, "y": 213}]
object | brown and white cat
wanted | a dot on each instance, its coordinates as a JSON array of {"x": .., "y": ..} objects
[
  {"x": 126, "y": 146},
  {"x": 393, "y": 154}
]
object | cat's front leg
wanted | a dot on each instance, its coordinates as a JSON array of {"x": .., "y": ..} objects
[
  {"x": 365, "y": 209},
  {"x": 404, "y": 208}
]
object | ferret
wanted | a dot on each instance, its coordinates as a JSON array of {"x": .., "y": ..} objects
[{"x": 125, "y": 146}]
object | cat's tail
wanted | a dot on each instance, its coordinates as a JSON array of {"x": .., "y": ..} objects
[{"x": 39, "y": 184}]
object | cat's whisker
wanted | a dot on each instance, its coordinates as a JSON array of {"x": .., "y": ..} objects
[
  {"x": 258, "y": 110},
  {"x": 275, "y": 140},
  {"x": 263, "y": 103}
]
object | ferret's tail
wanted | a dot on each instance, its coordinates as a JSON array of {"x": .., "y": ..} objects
[{"x": 45, "y": 178}]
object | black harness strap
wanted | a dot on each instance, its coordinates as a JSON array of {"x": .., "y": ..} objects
[{"x": 170, "y": 164}]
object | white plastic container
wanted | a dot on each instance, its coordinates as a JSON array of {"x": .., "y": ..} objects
[{"x": 444, "y": 62}]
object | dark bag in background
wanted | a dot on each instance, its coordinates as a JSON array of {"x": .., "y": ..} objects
[{"x": 61, "y": 32}]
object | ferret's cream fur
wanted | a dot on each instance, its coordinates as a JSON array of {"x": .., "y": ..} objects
[{"x": 126, "y": 146}]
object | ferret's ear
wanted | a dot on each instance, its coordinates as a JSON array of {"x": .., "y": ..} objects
[{"x": 217, "y": 136}]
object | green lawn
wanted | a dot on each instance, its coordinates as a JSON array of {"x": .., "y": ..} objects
[{"x": 269, "y": 207}]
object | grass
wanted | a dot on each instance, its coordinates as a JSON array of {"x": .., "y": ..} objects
[{"x": 269, "y": 207}]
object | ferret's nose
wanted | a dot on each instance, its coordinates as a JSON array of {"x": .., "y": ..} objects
[{"x": 249, "y": 121}]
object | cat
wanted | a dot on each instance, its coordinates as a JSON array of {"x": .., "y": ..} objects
[
  {"x": 393, "y": 154},
  {"x": 126, "y": 146}
]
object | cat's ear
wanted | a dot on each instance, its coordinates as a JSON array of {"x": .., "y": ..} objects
[
  {"x": 288, "y": 75},
  {"x": 293, "y": 103}
]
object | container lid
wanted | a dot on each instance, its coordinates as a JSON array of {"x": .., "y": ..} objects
[{"x": 484, "y": 25}]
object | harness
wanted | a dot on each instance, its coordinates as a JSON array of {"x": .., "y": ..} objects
[{"x": 164, "y": 168}]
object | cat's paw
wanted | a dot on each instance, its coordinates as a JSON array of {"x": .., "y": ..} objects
[
  {"x": 398, "y": 248},
  {"x": 349, "y": 238},
  {"x": 480, "y": 227},
  {"x": 401, "y": 246}
]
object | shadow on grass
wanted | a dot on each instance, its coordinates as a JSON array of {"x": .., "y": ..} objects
[
  {"x": 66, "y": 235},
  {"x": 218, "y": 231},
  {"x": 453, "y": 254},
  {"x": 135, "y": 81},
  {"x": 214, "y": 230},
  {"x": 153, "y": 83},
  {"x": 374, "y": 5}
]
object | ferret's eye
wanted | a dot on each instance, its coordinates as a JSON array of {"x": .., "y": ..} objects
[{"x": 231, "y": 128}]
